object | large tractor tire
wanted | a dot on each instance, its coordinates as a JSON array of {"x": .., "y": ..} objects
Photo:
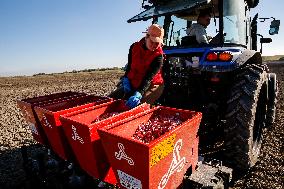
[{"x": 245, "y": 118}]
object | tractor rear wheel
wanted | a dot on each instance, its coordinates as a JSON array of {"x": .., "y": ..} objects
[{"x": 245, "y": 118}]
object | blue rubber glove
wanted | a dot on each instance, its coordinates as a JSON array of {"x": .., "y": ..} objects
[
  {"x": 134, "y": 100},
  {"x": 126, "y": 84}
]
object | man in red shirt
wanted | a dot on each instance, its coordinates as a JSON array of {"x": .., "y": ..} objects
[{"x": 143, "y": 81}]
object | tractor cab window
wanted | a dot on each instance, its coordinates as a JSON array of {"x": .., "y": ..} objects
[
  {"x": 234, "y": 22},
  {"x": 175, "y": 30}
]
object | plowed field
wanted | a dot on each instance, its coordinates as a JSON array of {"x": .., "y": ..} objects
[{"x": 14, "y": 131}]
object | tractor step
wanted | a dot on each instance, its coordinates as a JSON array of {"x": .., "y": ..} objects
[{"x": 209, "y": 175}]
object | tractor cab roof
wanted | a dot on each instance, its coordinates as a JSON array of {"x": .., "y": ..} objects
[{"x": 186, "y": 9}]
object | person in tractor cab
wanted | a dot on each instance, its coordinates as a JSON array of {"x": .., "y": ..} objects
[
  {"x": 198, "y": 30},
  {"x": 142, "y": 81}
]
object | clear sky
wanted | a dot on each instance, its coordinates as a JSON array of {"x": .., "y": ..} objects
[{"x": 62, "y": 35}]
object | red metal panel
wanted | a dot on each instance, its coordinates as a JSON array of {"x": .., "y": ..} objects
[
  {"x": 49, "y": 118},
  {"x": 81, "y": 131},
  {"x": 161, "y": 163},
  {"x": 27, "y": 108}
]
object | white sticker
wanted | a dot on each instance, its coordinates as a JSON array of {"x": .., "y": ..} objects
[
  {"x": 122, "y": 155},
  {"x": 33, "y": 128},
  {"x": 177, "y": 165},
  {"x": 46, "y": 123},
  {"x": 195, "y": 61},
  {"x": 128, "y": 181},
  {"x": 75, "y": 135}
]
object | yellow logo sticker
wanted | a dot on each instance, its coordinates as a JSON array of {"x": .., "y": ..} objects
[{"x": 161, "y": 150}]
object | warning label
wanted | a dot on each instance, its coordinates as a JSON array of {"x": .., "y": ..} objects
[{"x": 163, "y": 149}]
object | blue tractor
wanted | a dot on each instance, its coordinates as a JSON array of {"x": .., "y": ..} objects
[{"x": 226, "y": 79}]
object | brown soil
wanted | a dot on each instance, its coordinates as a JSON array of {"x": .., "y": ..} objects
[{"x": 14, "y": 132}]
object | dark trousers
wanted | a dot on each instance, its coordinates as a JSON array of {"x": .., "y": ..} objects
[{"x": 150, "y": 96}]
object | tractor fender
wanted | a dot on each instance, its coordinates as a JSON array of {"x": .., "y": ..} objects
[{"x": 249, "y": 57}]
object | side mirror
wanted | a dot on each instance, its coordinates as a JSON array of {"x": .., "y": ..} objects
[
  {"x": 265, "y": 40},
  {"x": 274, "y": 27}
]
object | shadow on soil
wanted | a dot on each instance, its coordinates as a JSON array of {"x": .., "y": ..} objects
[{"x": 36, "y": 167}]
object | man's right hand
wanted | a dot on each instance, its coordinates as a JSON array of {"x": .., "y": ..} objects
[
  {"x": 126, "y": 84},
  {"x": 134, "y": 100}
]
